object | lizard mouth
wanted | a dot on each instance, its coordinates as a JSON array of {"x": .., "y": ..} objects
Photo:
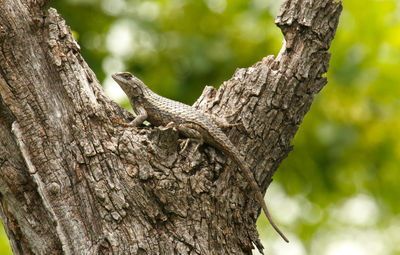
[
  {"x": 120, "y": 79},
  {"x": 115, "y": 76}
]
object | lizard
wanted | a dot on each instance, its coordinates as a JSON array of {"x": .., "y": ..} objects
[{"x": 190, "y": 122}]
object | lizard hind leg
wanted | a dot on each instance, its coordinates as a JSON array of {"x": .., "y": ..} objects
[
  {"x": 192, "y": 134},
  {"x": 223, "y": 124}
]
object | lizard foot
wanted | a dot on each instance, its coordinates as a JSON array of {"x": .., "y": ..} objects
[{"x": 118, "y": 121}]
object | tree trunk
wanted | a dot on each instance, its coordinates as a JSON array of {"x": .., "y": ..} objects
[{"x": 74, "y": 182}]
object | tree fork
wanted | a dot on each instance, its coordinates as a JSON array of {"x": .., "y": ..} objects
[{"x": 74, "y": 182}]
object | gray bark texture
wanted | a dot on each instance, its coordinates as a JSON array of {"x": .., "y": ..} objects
[{"x": 74, "y": 182}]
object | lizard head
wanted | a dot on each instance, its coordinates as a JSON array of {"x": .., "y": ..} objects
[{"x": 130, "y": 84}]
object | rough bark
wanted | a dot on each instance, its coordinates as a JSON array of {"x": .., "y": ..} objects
[{"x": 73, "y": 182}]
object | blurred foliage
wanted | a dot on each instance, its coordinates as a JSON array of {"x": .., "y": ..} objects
[
  {"x": 337, "y": 192},
  {"x": 175, "y": 46},
  {"x": 5, "y": 248}
]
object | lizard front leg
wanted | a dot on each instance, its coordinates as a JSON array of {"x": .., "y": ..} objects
[{"x": 139, "y": 119}]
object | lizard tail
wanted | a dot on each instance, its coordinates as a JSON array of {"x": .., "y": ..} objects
[
  {"x": 254, "y": 186},
  {"x": 271, "y": 221}
]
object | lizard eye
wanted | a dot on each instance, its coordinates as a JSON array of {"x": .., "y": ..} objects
[{"x": 127, "y": 75}]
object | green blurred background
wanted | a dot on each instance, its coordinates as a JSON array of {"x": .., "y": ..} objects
[{"x": 338, "y": 192}]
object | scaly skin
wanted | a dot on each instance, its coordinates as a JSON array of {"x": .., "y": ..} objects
[{"x": 192, "y": 123}]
